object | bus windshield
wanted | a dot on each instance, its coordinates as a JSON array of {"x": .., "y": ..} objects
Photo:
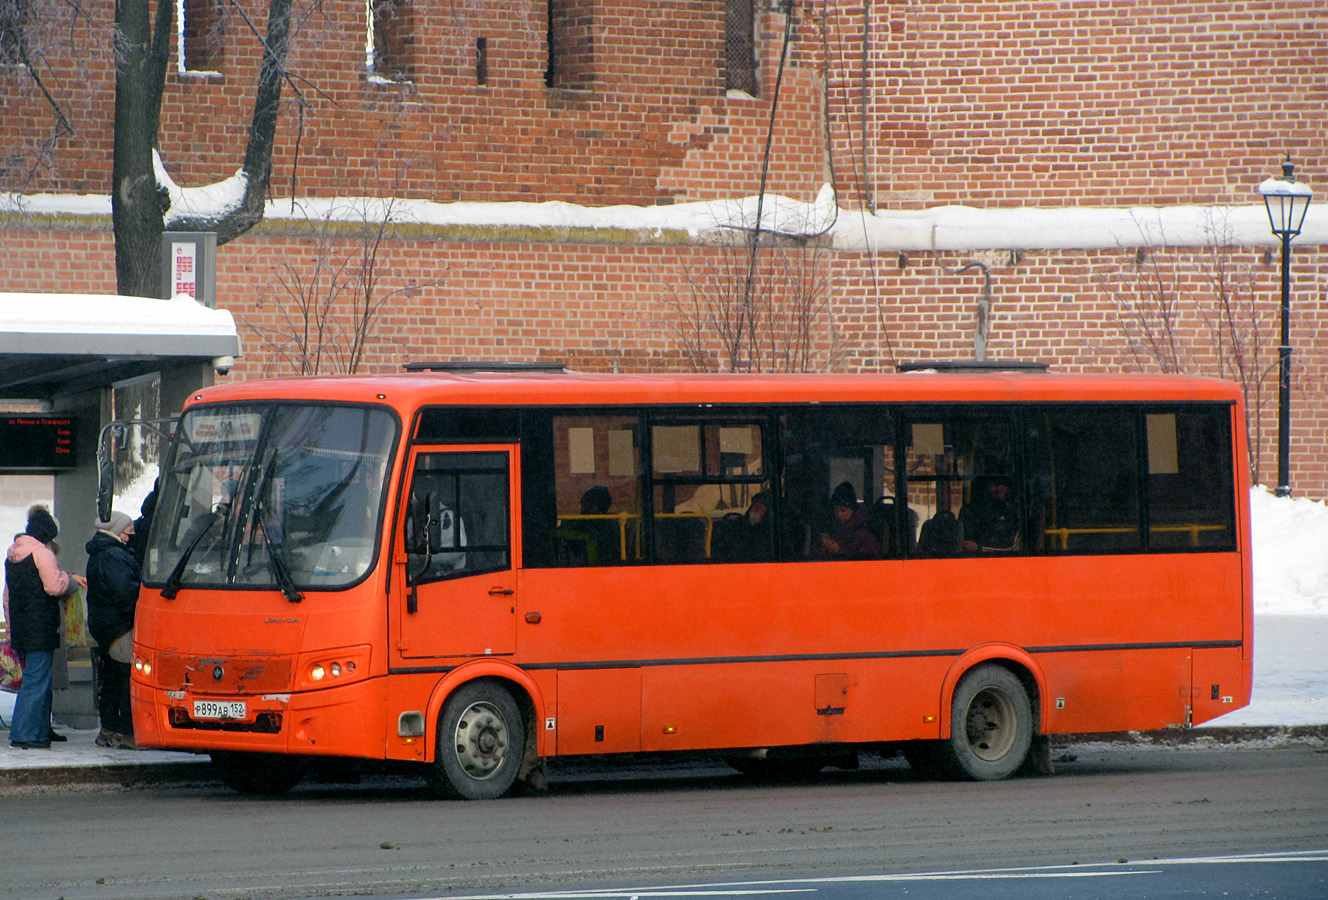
[{"x": 279, "y": 496}]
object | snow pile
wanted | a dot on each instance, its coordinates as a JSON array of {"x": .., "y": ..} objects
[{"x": 1290, "y": 554}]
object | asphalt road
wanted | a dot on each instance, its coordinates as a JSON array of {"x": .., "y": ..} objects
[{"x": 643, "y": 824}]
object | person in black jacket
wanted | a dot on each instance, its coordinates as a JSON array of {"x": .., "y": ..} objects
[
  {"x": 138, "y": 538},
  {"x": 113, "y": 581},
  {"x": 35, "y": 585}
]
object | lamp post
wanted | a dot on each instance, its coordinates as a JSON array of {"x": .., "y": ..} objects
[{"x": 1286, "y": 200}]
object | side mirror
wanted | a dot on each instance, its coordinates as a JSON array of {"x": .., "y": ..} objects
[
  {"x": 419, "y": 523},
  {"x": 105, "y": 473}
]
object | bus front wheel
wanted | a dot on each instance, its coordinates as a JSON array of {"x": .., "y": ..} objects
[
  {"x": 481, "y": 743},
  {"x": 991, "y": 726}
]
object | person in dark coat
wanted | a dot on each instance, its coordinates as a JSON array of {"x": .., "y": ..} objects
[
  {"x": 138, "y": 539},
  {"x": 847, "y": 535},
  {"x": 35, "y": 585},
  {"x": 113, "y": 581}
]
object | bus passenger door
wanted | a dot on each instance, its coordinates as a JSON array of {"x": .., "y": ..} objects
[{"x": 457, "y": 589}]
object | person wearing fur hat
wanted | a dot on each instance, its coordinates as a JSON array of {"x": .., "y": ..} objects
[
  {"x": 112, "y": 593},
  {"x": 34, "y": 586}
]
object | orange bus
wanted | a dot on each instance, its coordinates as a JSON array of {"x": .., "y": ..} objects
[{"x": 477, "y": 572}]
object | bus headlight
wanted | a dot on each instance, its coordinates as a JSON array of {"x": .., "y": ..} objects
[
  {"x": 334, "y": 667},
  {"x": 142, "y": 665}
]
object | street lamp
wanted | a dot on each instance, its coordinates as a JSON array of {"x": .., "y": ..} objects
[{"x": 1287, "y": 201}]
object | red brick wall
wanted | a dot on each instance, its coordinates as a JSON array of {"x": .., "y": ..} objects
[
  {"x": 657, "y": 125},
  {"x": 1055, "y": 103}
]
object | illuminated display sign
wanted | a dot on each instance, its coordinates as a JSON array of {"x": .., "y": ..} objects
[{"x": 37, "y": 442}]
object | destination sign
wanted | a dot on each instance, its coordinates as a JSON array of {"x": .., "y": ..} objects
[{"x": 36, "y": 442}]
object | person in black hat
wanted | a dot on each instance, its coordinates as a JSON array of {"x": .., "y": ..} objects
[{"x": 34, "y": 587}]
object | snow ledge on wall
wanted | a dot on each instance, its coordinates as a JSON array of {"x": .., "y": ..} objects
[{"x": 944, "y": 228}]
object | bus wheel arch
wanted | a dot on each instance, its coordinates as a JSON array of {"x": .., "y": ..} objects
[
  {"x": 507, "y": 707},
  {"x": 1019, "y": 662},
  {"x": 481, "y": 736},
  {"x": 992, "y": 721}
]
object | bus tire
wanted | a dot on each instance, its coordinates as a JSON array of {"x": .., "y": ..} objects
[
  {"x": 991, "y": 726},
  {"x": 481, "y": 743},
  {"x": 264, "y": 774}
]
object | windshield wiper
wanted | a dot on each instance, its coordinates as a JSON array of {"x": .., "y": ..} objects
[
  {"x": 172, "y": 587},
  {"x": 275, "y": 554}
]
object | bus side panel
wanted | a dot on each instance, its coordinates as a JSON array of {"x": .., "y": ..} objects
[
  {"x": 735, "y": 656},
  {"x": 599, "y": 711},
  {"x": 845, "y": 701},
  {"x": 1222, "y": 682},
  {"x": 1117, "y": 691}
]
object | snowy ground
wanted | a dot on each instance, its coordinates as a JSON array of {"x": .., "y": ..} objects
[{"x": 1290, "y": 608}]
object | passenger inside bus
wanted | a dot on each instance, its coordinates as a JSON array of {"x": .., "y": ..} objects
[
  {"x": 745, "y": 536},
  {"x": 604, "y": 543},
  {"x": 990, "y": 521},
  {"x": 848, "y": 535}
]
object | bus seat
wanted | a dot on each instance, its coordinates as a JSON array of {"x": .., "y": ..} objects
[
  {"x": 573, "y": 548},
  {"x": 680, "y": 538},
  {"x": 881, "y": 521},
  {"x": 724, "y": 542},
  {"x": 939, "y": 535}
]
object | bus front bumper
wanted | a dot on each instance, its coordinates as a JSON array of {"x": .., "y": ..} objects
[{"x": 325, "y": 722}]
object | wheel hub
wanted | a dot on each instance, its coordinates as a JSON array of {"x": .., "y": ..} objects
[
  {"x": 481, "y": 740},
  {"x": 991, "y": 725}
]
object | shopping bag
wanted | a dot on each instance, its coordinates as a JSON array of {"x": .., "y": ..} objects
[
  {"x": 11, "y": 668},
  {"x": 76, "y": 620}
]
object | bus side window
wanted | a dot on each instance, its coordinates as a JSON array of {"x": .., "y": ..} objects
[
  {"x": 596, "y": 492},
  {"x": 963, "y": 475},
  {"x": 1189, "y": 481},
  {"x": 1082, "y": 480}
]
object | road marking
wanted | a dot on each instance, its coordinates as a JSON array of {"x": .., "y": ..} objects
[{"x": 805, "y": 885}]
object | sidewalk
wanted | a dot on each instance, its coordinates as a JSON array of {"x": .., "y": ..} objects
[{"x": 1290, "y": 703}]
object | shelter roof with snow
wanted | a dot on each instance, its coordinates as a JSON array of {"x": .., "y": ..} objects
[{"x": 57, "y": 344}]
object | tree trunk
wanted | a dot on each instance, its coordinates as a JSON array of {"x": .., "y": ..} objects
[{"x": 138, "y": 204}]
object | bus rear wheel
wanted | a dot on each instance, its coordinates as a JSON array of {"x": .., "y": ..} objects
[
  {"x": 258, "y": 773},
  {"x": 481, "y": 743},
  {"x": 991, "y": 726}
]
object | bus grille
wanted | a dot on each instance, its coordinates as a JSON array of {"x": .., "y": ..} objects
[{"x": 238, "y": 674}]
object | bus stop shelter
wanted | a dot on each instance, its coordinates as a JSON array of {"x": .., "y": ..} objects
[{"x": 61, "y": 356}]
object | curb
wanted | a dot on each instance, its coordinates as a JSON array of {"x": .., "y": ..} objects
[
  {"x": 131, "y": 775},
  {"x": 123, "y": 775},
  {"x": 1203, "y": 736}
]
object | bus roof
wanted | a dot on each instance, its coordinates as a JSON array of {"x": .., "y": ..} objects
[{"x": 591, "y": 389}]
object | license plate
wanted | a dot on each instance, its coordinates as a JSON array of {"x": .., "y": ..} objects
[{"x": 219, "y": 709}]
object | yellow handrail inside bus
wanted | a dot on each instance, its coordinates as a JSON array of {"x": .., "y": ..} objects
[
  {"x": 1193, "y": 529},
  {"x": 624, "y": 518}
]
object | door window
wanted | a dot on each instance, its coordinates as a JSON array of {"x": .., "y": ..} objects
[{"x": 457, "y": 521}]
